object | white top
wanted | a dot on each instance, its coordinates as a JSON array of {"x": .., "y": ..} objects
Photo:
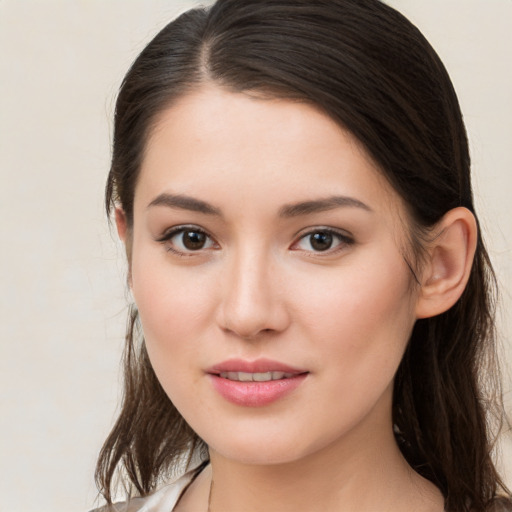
[{"x": 162, "y": 500}]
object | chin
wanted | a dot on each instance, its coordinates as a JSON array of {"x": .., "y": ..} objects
[
  {"x": 257, "y": 455},
  {"x": 264, "y": 447}
]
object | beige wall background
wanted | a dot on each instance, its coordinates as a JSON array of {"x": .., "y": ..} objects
[{"x": 62, "y": 300}]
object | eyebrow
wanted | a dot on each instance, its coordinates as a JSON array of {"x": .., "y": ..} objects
[
  {"x": 322, "y": 205},
  {"x": 184, "y": 202}
]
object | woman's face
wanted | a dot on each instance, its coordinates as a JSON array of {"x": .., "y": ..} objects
[{"x": 268, "y": 272}]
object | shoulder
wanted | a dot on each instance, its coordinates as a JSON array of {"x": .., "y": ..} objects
[{"x": 164, "y": 499}]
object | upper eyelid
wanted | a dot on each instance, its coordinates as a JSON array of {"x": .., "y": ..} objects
[
  {"x": 170, "y": 232},
  {"x": 315, "y": 229}
]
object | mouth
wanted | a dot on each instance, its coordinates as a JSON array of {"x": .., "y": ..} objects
[
  {"x": 257, "y": 383},
  {"x": 256, "y": 377}
]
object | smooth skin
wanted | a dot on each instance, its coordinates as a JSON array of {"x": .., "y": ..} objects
[{"x": 262, "y": 229}]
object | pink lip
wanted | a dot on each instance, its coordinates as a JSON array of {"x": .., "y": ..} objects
[
  {"x": 258, "y": 366},
  {"x": 255, "y": 394}
]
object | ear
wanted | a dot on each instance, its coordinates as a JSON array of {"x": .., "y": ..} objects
[
  {"x": 121, "y": 223},
  {"x": 449, "y": 260},
  {"x": 125, "y": 235}
]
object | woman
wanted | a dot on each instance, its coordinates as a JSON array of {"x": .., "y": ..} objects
[{"x": 314, "y": 317}]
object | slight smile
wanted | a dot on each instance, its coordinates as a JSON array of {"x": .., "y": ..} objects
[{"x": 255, "y": 383}]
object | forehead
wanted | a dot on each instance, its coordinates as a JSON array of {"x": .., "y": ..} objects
[{"x": 244, "y": 150}]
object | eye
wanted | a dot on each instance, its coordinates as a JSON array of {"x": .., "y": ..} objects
[
  {"x": 187, "y": 239},
  {"x": 322, "y": 240}
]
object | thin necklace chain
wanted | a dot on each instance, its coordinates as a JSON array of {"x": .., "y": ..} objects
[{"x": 210, "y": 496}]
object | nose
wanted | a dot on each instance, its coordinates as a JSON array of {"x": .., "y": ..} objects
[{"x": 253, "y": 297}]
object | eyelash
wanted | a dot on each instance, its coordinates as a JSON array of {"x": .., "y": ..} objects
[
  {"x": 344, "y": 240},
  {"x": 171, "y": 233}
]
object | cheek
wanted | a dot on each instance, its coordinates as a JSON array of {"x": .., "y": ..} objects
[
  {"x": 174, "y": 306},
  {"x": 362, "y": 316},
  {"x": 358, "y": 325}
]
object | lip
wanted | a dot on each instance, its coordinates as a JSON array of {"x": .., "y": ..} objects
[
  {"x": 257, "y": 366},
  {"x": 255, "y": 394}
]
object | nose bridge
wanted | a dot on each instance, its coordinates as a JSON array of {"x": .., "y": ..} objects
[{"x": 251, "y": 301}]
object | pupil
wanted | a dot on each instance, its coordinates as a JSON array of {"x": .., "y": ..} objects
[
  {"x": 193, "y": 240},
  {"x": 321, "y": 241}
]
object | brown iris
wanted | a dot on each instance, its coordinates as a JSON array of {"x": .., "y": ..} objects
[
  {"x": 321, "y": 241},
  {"x": 193, "y": 240}
]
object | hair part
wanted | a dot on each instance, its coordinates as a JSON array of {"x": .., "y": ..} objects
[{"x": 369, "y": 69}]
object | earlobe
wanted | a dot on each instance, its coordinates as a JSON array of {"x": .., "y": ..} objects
[{"x": 449, "y": 261}]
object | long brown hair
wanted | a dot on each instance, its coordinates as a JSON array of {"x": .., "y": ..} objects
[{"x": 372, "y": 71}]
